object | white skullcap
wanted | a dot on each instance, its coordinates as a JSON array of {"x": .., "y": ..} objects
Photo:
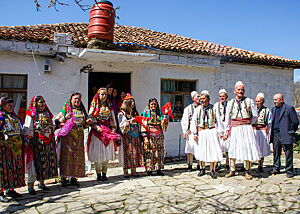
[
  {"x": 261, "y": 95},
  {"x": 194, "y": 93},
  {"x": 239, "y": 83},
  {"x": 222, "y": 91},
  {"x": 205, "y": 92}
]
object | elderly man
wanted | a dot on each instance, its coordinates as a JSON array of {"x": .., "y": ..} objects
[
  {"x": 284, "y": 126},
  {"x": 204, "y": 128},
  {"x": 261, "y": 129},
  {"x": 241, "y": 112},
  {"x": 220, "y": 108},
  {"x": 186, "y": 125}
]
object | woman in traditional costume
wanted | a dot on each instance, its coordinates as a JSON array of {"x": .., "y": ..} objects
[
  {"x": 11, "y": 155},
  {"x": 70, "y": 140},
  {"x": 154, "y": 148},
  {"x": 41, "y": 163},
  {"x": 131, "y": 148},
  {"x": 102, "y": 138}
]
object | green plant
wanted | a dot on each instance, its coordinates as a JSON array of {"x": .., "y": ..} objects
[{"x": 297, "y": 144}]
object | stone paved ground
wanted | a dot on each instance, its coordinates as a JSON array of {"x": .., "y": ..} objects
[{"x": 176, "y": 192}]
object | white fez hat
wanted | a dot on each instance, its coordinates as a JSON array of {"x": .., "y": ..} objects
[
  {"x": 222, "y": 91},
  {"x": 239, "y": 83},
  {"x": 205, "y": 92},
  {"x": 194, "y": 93},
  {"x": 261, "y": 95}
]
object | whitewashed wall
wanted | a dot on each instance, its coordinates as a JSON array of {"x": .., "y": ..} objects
[{"x": 66, "y": 78}]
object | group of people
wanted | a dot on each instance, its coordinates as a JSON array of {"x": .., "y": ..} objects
[
  {"x": 241, "y": 129},
  {"x": 35, "y": 149}
]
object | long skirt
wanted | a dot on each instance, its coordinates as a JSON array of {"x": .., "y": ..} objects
[
  {"x": 190, "y": 144},
  {"x": 132, "y": 152},
  {"x": 72, "y": 154},
  {"x": 45, "y": 159},
  {"x": 12, "y": 170},
  {"x": 243, "y": 145},
  {"x": 154, "y": 153},
  {"x": 262, "y": 139},
  {"x": 98, "y": 152},
  {"x": 208, "y": 148}
]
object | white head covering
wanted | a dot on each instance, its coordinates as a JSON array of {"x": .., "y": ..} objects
[
  {"x": 194, "y": 93},
  {"x": 222, "y": 91},
  {"x": 205, "y": 92},
  {"x": 239, "y": 83},
  {"x": 261, "y": 95}
]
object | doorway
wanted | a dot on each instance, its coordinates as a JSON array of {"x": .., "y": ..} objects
[{"x": 120, "y": 81}]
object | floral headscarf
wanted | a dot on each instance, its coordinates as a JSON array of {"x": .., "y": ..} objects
[
  {"x": 67, "y": 108},
  {"x": 31, "y": 111},
  {"x": 96, "y": 104}
]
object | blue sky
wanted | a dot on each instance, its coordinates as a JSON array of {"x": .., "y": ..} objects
[{"x": 266, "y": 26}]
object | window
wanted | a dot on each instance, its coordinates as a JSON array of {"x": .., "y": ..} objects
[
  {"x": 178, "y": 92},
  {"x": 15, "y": 87}
]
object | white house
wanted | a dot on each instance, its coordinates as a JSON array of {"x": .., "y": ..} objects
[{"x": 52, "y": 61}]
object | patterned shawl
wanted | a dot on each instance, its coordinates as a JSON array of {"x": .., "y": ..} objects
[
  {"x": 67, "y": 108},
  {"x": 96, "y": 104},
  {"x": 2, "y": 114},
  {"x": 31, "y": 111}
]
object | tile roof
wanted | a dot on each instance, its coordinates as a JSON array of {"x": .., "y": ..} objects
[{"x": 142, "y": 36}]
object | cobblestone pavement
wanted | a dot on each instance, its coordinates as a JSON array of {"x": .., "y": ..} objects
[{"x": 176, "y": 192}]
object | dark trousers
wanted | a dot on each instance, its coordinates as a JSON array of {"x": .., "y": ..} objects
[{"x": 288, "y": 150}]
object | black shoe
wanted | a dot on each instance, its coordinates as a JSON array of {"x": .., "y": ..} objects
[
  {"x": 31, "y": 191},
  {"x": 43, "y": 187},
  {"x": 213, "y": 175},
  {"x": 74, "y": 182},
  {"x": 260, "y": 169},
  {"x": 104, "y": 178},
  {"x": 126, "y": 176},
  {"x": 201, "y": 173},
  {"x": 13, "y": 194},
  {"x": 227, "y": 167},
  {"x": 159, "y": 172},
  {"x": 189, "y": 169},
  {"x": 99, "y": 178},
  {"x": 3, "y": 198},
  {"x": 198, "y": 167},
  {"x": 64, "y": 182},
  {"x": 149, "y": 173},
  {"x": 218, "y": 167},
  {"x": 274, "y": 172},
  {"x": 135, "y": 175},
  {"x": 289, "y": 175}
]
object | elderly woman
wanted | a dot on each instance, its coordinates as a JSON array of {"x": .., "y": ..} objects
[
  {"x": 11, "y": 155},
  {"x": 102, "y": 140},
  {"x": 131, "y": 149},
  {"x": 154, "y": 148},
  {"x": 39, "y": 129},
  {"x": 70, "y": 142}
]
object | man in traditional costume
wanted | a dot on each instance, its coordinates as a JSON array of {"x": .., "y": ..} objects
[
  {"x": 186, "y": 125},
  {"x": 220, "y": 108},
  {"x": 204, "y": 129},
  {"x": 241, "y": 112},
  {"x": 261, "y": 129}
]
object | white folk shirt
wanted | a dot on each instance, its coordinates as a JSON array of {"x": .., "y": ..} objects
[
  {"x": 187, "y": 117},
  {"x": 228, "y": 119}
]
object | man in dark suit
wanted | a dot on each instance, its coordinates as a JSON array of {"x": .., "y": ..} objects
[{"x": 284, "y": 125}]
